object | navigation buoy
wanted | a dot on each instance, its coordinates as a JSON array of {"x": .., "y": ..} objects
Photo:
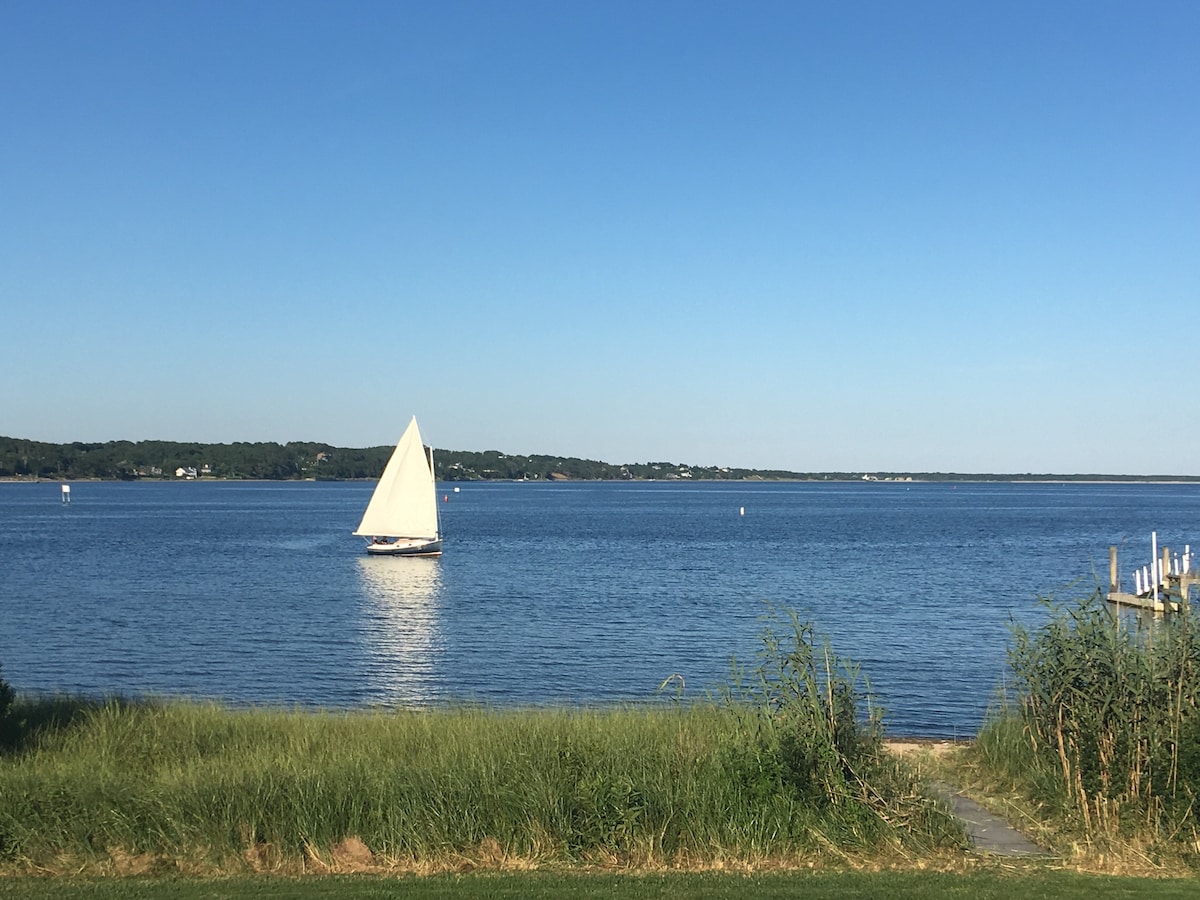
[
  {"x": 741, "y": 510},
  {"x": 456, "y": 490},
  {"x": 445, "y": 498},
  {"x": 66, "y": 493}
]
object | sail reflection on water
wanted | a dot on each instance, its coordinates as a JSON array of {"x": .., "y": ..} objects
[{"x": 401, "y": 624}]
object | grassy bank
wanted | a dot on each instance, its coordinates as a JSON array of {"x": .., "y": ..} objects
[
  {"x": 1098, "y": 739},
  {"x": 785, "y": 768},
  {"x": 135, "y": 787},
  {"x": 1095, "y": 752}
]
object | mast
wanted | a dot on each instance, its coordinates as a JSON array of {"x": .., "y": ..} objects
[{"x": 437, "y": 512}]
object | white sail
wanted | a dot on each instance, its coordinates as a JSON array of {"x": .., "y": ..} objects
[{"x": 405, "y": 500}]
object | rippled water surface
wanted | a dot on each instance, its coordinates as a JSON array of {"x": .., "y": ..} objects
[{"x": 257, "y": 592}]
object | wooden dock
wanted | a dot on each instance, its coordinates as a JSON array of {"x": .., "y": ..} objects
[{"x": 1163, "y": 586}]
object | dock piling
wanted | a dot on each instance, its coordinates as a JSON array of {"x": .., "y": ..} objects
[{"x": 1162, "y": 586}]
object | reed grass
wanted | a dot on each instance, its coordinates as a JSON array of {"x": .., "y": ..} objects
[
  {"x": 1102, "y": 726},
  {"x": 7, "y": 695},
  {"x": 778, "y": 770}
]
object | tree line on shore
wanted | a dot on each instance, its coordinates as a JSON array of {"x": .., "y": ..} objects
[{"x": 296, "y": 460}]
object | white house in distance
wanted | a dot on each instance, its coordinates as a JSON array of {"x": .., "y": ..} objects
[{"x": 189, "y": 472}]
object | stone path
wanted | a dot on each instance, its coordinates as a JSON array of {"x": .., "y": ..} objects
[{"x": 988, "y": 833}]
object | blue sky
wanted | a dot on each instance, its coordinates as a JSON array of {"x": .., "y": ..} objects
[{"x": 860, "y": 236}]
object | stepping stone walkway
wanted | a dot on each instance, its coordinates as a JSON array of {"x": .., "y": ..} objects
[{"x": 988, "y": 833}]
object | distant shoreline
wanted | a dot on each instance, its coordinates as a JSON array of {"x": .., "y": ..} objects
[
  {"x": 22, "y": 459},
  {"x": 847, "y": 479}
]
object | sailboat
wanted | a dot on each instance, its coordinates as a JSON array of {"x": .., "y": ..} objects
[{"x": 402, "y": 517}]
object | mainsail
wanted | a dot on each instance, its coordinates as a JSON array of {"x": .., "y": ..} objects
[{"x": 405, "y": 500}]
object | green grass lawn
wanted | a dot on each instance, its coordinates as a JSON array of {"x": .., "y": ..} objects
[{"x": 894, "y": 886}]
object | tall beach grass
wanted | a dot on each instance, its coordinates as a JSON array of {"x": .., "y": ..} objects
[
  {"x": 784, "y": 767},
  {"x": 1101, "y": 726}
]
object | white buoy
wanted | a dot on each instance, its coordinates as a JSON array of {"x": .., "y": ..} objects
[
  {"x": 456, "y": 490},
  {"x": 66, "y": 493},
  {"x": 741, "y": 510}
]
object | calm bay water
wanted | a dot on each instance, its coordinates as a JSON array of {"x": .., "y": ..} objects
[{"x": 257, "y": 592}]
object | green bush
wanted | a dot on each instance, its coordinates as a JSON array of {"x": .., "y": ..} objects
[
  {"x": 803, "y": 701},
  {"x": 1104, "y": 723},
  {"x": 814, "y": 735},
  {"x": 7, "y": 695}
]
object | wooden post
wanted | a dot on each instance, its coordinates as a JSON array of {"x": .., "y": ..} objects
[
  {"x": 1166, "y": 565},
  {"x": 1114, "y": 581}
]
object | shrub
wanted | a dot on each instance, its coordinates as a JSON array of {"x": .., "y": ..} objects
[
  {"x": 806, "y": 703},
  {"x": 7, "y": 695},
  {"x": 816, "y": 735},
  {"x": 1109, "y": 709}
]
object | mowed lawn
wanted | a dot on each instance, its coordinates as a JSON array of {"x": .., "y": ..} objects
[{"x": 891, "y": 885}]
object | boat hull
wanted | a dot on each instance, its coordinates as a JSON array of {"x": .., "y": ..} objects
[{"x": 406, "y": 547}]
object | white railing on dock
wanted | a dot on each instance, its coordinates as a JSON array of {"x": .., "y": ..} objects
[
  {"x": 1151, "y": 578},
  {"x": 1163, "y": 585}
]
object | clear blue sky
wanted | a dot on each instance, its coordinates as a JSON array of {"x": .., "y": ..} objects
[{"x": 854, "y": 236}]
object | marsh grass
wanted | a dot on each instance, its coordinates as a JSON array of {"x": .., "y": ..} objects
[
  {"x": 1101, "y": 730},
  {"x": 7, "y": 696},
  {"x": 780, "y": 771}
]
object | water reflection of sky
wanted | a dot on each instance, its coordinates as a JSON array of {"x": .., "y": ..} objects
[
  {"x": 574, "y": 592},
  {"x": 401, "y": 612}
]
